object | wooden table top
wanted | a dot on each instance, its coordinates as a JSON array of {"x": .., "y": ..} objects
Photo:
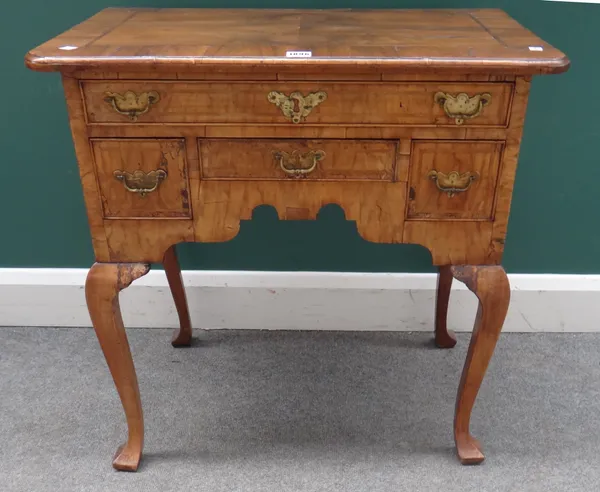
[{"x": 469, "y": 41}]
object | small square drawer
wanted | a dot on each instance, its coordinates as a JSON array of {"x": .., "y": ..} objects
[
  {"x": 142, "y": 177},
  {"x": 274, "y": 159},
  {"x": 453, "y": 180}
]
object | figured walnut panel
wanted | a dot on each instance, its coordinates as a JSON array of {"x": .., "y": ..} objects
[
  {"x": 377, "y": 207},
  {"x": 260, "y": 158},
  {"x": 144, "y": 240},
  {"x": 477, "y": 162},
  {"x": 453, "y": 243},
  {"x": 168, "y": 156},
  {"x": 245, "y": 103}
]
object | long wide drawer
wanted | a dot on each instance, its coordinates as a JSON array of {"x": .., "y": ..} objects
[
  {"x": 302, "y": 103},
  {"x": 293, "y": 158}
]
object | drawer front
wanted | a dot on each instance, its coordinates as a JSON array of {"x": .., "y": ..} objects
[
  {"x": 142, "y": 178},
  {"x": 303, "y": 103},
  {"x": 453, "y": 180},
  {"x": 268, "y": 159}
]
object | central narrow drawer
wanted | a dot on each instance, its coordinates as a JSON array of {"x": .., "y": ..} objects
[{"x": 326, "y": 159}]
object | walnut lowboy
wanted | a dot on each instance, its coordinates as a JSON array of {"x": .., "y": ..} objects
[{"x": 413, "y": 134}]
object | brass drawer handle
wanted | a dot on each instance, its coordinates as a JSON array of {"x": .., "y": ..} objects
[
  {"x": 296, "y": 107},
  {"x": 298, "y": 165},
  {"x": 462, "y": 107},
  {"x": 141, "y": 182},
  {"x": 453, "y": 182},
  {"x": 131, "y": 104}
]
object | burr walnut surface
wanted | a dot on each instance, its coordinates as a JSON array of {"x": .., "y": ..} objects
[{"x": 468, "y": 41}]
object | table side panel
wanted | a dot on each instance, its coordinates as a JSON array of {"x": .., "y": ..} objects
[
  {"x": 87, "y": 174},
  {"x": 506, "y": 180}
]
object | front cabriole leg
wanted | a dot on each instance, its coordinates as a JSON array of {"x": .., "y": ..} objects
[
  {"x": 490, "y": 285},
  {"x": 103, "y": 284}
]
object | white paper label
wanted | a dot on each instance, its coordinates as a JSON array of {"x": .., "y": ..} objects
[
  {"x": 536, "y": 48},
  {"x": 298, "y": 54}
]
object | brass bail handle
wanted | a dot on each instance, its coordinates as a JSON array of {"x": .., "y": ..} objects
[
  {"x": 453, "y": 182},
  {"x": 462, "y": 106},
  {"x": 131, "y": 104},
  {"x": 141, "y": 182},
  {"x": 296, "y": 164}
]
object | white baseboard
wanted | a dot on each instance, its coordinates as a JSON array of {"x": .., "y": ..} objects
[{"x": 300, "y": 301}]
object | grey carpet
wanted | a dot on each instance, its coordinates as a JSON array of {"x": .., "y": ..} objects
[{"x": 298, "y": 411}]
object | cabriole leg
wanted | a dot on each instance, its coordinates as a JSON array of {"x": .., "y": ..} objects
[
  {"x": 444, "y": 338},
  {"x": 103, "y": 284},
  {"x": 182, "y": 337},
  {"x": 490, "y": 285}
]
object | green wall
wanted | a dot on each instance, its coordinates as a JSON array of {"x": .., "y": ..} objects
[{"x": 553, "y": 221}]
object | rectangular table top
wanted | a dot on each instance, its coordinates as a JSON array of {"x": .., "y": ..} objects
[{"x": 439, "y": 40}]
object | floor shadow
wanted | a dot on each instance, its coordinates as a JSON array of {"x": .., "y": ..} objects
[
  {"x": 414, "y": 340},
  {"x": 246, "y": 392}
]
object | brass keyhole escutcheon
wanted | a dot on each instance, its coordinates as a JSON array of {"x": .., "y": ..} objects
[{"x": 296, "y": 107}]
